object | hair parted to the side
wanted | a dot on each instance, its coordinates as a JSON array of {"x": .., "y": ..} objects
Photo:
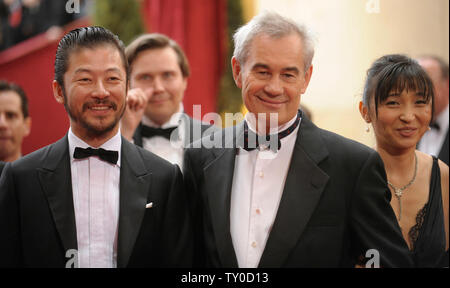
[
  {"x": 85, "y": 37},
  {"x": 8, "y": 86},
  {"x": 273, "y": 25},
  {"x": 156, "y": 41},
  {"x": 396, "y": 72}
]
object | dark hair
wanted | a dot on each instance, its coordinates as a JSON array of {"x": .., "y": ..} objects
[
  {"x": 156, "y": 41},
  {"x": 395, "y": 73},
  {"x": 7, "y": 86},
  {"x": 85, "y": 37}
]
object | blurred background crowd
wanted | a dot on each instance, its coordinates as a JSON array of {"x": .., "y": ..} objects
[{"x": 350, "y": 35}]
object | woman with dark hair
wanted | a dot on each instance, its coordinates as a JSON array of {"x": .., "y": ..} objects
[{"x": 398, "y": 103}]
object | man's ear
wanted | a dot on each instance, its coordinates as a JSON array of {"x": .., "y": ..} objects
[
  {"x": 364, "y": 110},
  {"x": 237, "y": 72},
  {"x": 57, "y": 92},
  {"x": 308, "y": 75},
  {"x": 27, "y": 126},
  {"x": 185, "y": 83}
]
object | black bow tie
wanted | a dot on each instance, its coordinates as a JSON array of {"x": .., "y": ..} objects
[
  {"x": 147, "y": 131},
  {"x": 435, "y": 125},
  {"x": 268, "y": 140},
  {"x": 105, "y": 155}
]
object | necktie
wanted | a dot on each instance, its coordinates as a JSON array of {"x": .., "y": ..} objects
[
  {"x": 435, "y": 125},
  {"x": 105, "y": 155},
  {"x": 268, "y": 139},
  {"x": 147, "y": 131}
]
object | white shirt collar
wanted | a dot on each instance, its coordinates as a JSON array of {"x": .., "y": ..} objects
[
  {"x": 251, "y": 121},
  {"x": 115, "y": 144},
  {"x": 174, "y": 120}
]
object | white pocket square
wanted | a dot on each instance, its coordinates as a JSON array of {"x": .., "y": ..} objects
[{"x": 149, "y": 205}]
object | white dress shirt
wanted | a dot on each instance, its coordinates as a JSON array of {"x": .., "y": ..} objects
[
  {"x": 172, "y": 151},
  {"x": 95, "y": 188},
  {"x": 433, "y": 139},
  {"x": 258, "y": 183}
]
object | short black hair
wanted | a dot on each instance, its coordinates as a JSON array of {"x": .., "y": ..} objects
[
  {"x": 9, "y": 86},
  {"x": 396, "y": 72},
  {"x": 85, "y": 37}
]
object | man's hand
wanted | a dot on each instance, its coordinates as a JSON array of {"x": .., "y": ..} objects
[{"x": 136, "y": 102}]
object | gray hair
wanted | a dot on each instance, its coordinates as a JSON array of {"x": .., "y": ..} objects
[{"x": 273, "y": 25}]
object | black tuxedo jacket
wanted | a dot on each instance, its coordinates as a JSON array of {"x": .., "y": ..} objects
[
  {"x": 334, "y": 208},
  {"x": 2, "y": 164},
  {"x": 191, "y": 126},
  {"x": 37, "y": 218}
]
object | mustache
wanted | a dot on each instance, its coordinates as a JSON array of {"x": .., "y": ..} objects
[{"x": 105, "y": 102}]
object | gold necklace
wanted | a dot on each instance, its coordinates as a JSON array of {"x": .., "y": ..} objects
[{"x": 399, "y": 191}]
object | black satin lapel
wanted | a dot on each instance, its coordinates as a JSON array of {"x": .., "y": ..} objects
[
  {"x": 134, "y": 186},
  {"x": 137, "y": 138},
  {"x": 304, "y": 185},
  {"x": 188, "y": 126},
  {"x": 219, "y": 179},
  {"x": 56, "y": 181},
  {"x": 305, "y": 182}
]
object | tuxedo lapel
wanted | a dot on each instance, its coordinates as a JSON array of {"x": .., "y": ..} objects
[
  {"x": 134, "y": 186},
  {"x": 218, "y": 184},
  {"x": 137, "y": 137},
  {"x": 304, "y": 185},
  {"x": 188, "y": 126},
  {"x": 56, "y": 181},
  {"x": 193, "y": 129}
]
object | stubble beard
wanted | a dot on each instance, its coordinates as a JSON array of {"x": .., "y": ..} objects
[{"x": 94, "y": 131}]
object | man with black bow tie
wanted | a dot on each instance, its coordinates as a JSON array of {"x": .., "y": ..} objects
[
  {"x": 93, "y": 199},
  {"x": 154, "y": 118},
  {"x": 300, "y": 197},
  {"x": 435, "y": 141}
]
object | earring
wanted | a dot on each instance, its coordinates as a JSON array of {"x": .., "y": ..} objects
[{"x": 368, "y": 128}]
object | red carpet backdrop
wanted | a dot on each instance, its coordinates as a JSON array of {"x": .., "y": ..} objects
[
  {"x": 199, "y": 26},
  {"x": 30, "y": 64}
]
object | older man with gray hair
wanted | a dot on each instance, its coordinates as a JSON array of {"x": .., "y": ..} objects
[{"x": 310, "y": 198}]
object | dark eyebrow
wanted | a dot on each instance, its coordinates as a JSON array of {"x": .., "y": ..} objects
[
  {"x": 10, "y": 111},
  {"x": 80, "y": 70},
  {"x": 420, "y": 94},
  {"x": 113, "y": 70}
]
